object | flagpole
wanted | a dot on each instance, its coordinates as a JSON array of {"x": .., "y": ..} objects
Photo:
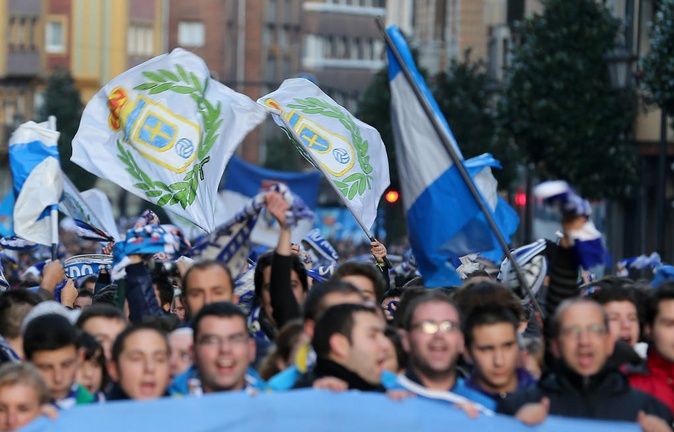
[
  {"x": 367, "y": 232},
  {"x": 54, "y": 212},
  {"x": 457, "y": 163}
]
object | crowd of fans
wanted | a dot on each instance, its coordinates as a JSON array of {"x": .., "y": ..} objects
[{"x": 598, "y": 350}]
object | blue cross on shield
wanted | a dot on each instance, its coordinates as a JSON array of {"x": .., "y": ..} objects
[
  {"x": 313, "y": 141},
  {"x": 155, "y": 132}
]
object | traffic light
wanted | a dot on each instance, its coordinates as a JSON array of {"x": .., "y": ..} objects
[{"x": 392, "y": 196}]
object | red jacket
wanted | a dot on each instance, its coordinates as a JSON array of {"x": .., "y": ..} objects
[{"x": 658, "y": 380}]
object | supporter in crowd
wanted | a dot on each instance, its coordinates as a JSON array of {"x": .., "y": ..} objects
[
  {"x": 433, "y": 341},
  {"x": 14, "y": 306},
  {"x": 657, "y": 378},
  {"x": 583, "y": 384},
  {"x": 103, "y": 322},
  {"x": 51, "y": 343},
  {"x": 350, "y": 346},
  {"x": 84, "y": 298},
  {"x": 492, "y": 346},
  {"x": 92, "y": 373},
  {"x": 207, "y": 282},
  {"x": 23, "y": 395},
  {"x": 181, "y": 343},
  {"x": 139, "y": 365},
  {"x": 223, "y": 351},
  {"x": 364, "y": 276}
]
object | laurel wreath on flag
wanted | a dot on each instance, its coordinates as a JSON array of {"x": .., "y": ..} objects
[
  {"x": 187, "y": 83},
  {"x": 356, "y": 183}
]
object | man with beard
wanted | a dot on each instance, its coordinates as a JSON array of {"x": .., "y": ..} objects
[{"x": 433, "y": 341}]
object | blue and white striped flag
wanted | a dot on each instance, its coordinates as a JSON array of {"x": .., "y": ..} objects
[
  {"x": 36, "y": 172},
  {"x": 443, "y": 219}
]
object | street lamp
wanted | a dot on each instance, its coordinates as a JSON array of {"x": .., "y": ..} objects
[{"x": 619, "y": 61}]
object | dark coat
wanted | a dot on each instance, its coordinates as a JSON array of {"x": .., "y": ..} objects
[
  {"x": 328, "y": 368},
  {"x": 606, "y": 396}
]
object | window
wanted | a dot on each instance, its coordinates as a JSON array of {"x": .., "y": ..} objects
[
  {"x": 191, "y": 34},
  {"x": 140, "y": 40},
  {"x": 55, "y": 36}
]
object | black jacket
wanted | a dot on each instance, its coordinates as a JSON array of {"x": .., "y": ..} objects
[
  {"x": 606, "y": 396},
  {"x": 328, "y": 368}
]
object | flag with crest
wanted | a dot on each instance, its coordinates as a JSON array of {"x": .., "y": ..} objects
[
  {"x": 164, "y": 130},
  {"x": 348, "y": 152}
]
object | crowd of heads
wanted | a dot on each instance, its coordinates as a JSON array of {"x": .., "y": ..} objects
[{"x": 354, "y": 331}]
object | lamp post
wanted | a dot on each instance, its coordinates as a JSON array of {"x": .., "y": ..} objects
[{"x": 619, "y": 61}]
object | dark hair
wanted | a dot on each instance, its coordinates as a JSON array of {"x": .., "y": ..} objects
[
  {"x": 166, "y": 322},
  {"x": 106, "y": 295},
  {"x": 49, "y": 332},
  {"x": 118, "y": 345},
  {"x": 14, "y": 305},
  {"x": 93, "y": 351},
  {"x": 409, "y": 294},
  {"x": 393, "y": 335},
  {"x": 217, "y": 309},
  {"x": 483, "y": 292},
  {"x": 313, "y": 304},
  {"x": 432, "y": 296},
  {"x": 612, "y": 288},
  {"x": 265, "y": 260},
  {"x": 393, "y": 292},
  {"x": 205, "y": 265},
  {"x": 286, "y": 339},
  {"x": 86, "y": 280},
  {"x": 487, "y": 315},
  {"x": 337, "y": 319},
  {"x": 556, "y": 322},
  {"x": 83, "y": 292},
  {"x": 100, "y": 310},
  {"x": 662, "y": 293},
  {"x": 370, "y": 271}
]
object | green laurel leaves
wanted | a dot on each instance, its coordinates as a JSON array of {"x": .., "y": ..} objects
[
  {"x": 356, "y": 183},
  {"x": 186, "y": 83}
]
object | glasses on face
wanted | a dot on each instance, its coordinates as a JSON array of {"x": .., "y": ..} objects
[
  {"x": 576, "y": 331},
  {"x": 432, "y": 327},
  {"x": 218, "y": 341}
]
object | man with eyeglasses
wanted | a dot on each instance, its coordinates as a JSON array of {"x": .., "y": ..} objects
[
  {"x": 583, "y": 384},
  {"x": 223, "y": 351},
  {"x": 433, "y": 341}
]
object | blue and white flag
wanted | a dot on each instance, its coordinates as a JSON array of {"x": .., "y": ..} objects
[
  {"x": 164, "y": 130},
  {"x": 230, "y": 242},
  {"x": 6, "y": 215},
  {"x": 34, "y": 161},
  {"x": 319, "y": 249},
  {"x": 349, "y": 153},
  {"x": 243, "y": 181},
  {"x": 587, "y": 239},
  {"x": 89, "y": 225},
  {"x": 15, "y": 243},
  {"x": 443, "y": 219}
]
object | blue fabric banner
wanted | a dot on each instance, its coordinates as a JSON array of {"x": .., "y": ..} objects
[
  {"x": 248, "y": 179},
  {"x": 306, "y": 410}
]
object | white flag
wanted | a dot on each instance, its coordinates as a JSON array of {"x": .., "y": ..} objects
[
  {"x": 347, "y": 151},
  {"x": 164, "y": 130}
]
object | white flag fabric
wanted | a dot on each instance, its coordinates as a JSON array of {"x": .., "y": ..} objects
[
  {"x": 164, "y": 130},
  {"x": 36, "y": 173},
  {"x": 347, "y": 151}
]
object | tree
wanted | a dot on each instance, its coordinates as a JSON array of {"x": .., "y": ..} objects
[
  {"x": 466, "y": 96},
  {"x": 62, "y": 99},
  {"x": 559, "y": 106},
  {"x": 658, "y": 64}
]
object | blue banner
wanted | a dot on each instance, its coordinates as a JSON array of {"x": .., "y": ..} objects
[
  {"x": 249, "y": 180},
  {"x": 297, "y": 411}
]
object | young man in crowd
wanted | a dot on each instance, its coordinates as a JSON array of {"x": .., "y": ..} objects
[
  {"x": 223, "y": 351},
  {"x": 50, "y": 343},
  {"x": 104, "y": 322},
  {"x": 350, "y": 346},
  {"x": 364, "y": 276},
  {"x": 433, "y": 341},
  {"x": 207, "y": 282},
  {"x": 658, "y": 377},
  {"x": 139, "y": 366},
  {"x": 493, "y": 349},
  {"x": 582, "y": 384}
]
